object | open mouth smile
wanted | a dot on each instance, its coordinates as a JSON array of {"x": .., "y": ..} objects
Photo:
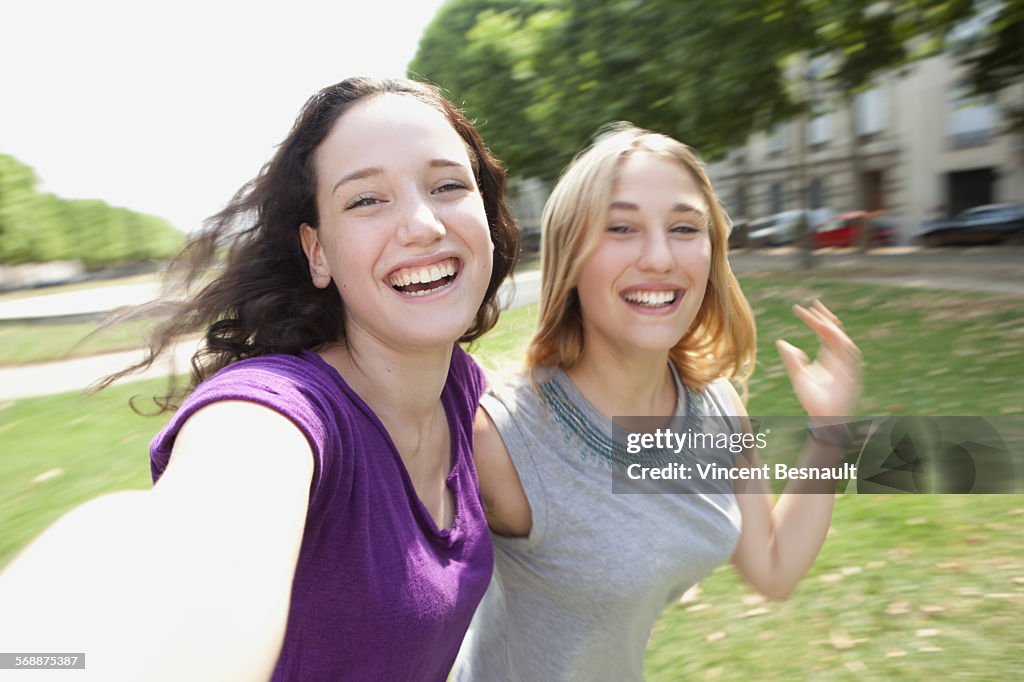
[
  {"x": 425, "y": 279},
  {"x": 663, "y": 298}
]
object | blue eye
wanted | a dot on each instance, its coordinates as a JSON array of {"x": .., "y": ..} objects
[{"x": 685, "y": 229}]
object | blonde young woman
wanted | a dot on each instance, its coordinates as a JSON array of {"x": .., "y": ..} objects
[{"x": 640, "y": 314}]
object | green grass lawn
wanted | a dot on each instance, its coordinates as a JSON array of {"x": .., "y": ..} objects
[
  {"x": 27, "y": 343},
  {"x": 907, "y": 586}
]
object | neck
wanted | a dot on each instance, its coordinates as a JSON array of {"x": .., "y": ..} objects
[
  {"x": 402, "y": 387},
  {"x": 625, "y": 384}
]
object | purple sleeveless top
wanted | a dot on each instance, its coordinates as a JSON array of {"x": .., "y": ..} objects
[{"x": 380, "y": 593}]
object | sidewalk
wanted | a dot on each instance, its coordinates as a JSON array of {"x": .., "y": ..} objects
[
  {"x": 74, "y": 306},
  {"x": 48, "y": 378}
]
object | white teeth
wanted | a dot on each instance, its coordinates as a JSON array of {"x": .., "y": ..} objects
[
  {"x": 651, "y": 298},
  {"x": 423, "y": 275}
]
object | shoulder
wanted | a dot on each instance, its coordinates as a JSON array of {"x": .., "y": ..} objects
[
  {"x": 724, "y": 398},
  {"x": 466, "y": 375},
  {"x": 296, "y": 387},
  {"x": 516, "y": 394}
]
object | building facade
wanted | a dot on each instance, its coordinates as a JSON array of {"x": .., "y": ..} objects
[{"x": 920, "y": 148}]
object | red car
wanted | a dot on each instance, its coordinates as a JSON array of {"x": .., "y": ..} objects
[{"x": 844, "y": 229}]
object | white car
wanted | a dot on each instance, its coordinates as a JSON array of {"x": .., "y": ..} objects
[{"x": 784, "y": 228}]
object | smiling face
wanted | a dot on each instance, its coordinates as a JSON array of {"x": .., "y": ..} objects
[
  {"x": 642, "y": 286},
  {"x": 403, "y": 232}
]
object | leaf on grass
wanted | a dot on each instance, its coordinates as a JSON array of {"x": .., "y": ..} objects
[
  {"x": 831, "y": 578},
  {"x": 855, "y": 666},
  {"x": 840, "y": 639},
  {"x": 715, "y": 637},
  {"x": 930, "y": 649},
  {"x": 898, "y": 608},
  {"x": 927, "y": 632},
  {"x": 932, "y": 610},
  {"x": 691, "y": 595},
  {"x": 698, "y": 607},
  {"x": 916, "y": 521},
  {"x": 873, "y": 565},
  {"x": 48, "y": 475},
  {"x": 760, "y": 611},
  {"x": 753, "y": 600},
  {"x": 850, "y": 570},
  {"x": 969, "y": 592},
  {"x": 896, "y": 653},
  {"x": 948, "y": 565}
]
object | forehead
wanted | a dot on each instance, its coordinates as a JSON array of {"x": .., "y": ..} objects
[
  {"x": 387, "y": 129},
  {"x": 656, "y": 177}
]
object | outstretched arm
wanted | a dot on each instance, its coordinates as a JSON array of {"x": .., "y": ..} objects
[
  {"x": 193, "y": 575},
  {"x": 778, "y": 543}
]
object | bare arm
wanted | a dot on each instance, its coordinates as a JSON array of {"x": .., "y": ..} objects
[
  {"x": 505, "y": 504},
  {"x": 193, "y": 575},
  {"x": 779, "y": 543}
]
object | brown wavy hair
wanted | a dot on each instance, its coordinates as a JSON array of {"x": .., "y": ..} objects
[
  {"x": 261, "y": 300},
  {"x": 721, "y": 342}
]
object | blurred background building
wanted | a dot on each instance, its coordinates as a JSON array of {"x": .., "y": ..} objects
[{"x": 927, "y": 150}]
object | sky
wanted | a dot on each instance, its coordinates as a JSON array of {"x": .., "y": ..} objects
[{"x": 168, "y": 108}]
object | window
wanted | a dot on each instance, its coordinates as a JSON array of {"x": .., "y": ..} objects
[
  {"x": 817, "y": 192},
  {"x": 970, "y": 120},
  {"x": 819, "y": 129},
  {"x": 775, "y": 198},
  {"x": 869, "y": 112},
  {"x": 739, "y": 208},
  {"x": 777, "y": 138}
]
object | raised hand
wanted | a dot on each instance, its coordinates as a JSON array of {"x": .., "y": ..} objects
[{"x": 829, "y": 386}]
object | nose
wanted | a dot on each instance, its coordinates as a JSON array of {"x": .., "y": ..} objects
[
  {"x": 655, "y": 254},
  {"x": 420, "y": 224}
]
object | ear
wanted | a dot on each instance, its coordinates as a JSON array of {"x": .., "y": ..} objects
[{"x": 318, "y": 268}]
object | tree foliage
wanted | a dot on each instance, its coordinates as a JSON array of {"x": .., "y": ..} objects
[
  {"x": 541, "y": 76},
  {"x": 38, "y": 227}
]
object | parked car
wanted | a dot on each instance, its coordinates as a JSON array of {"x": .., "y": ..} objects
[
  {"x": 988, "y": 224},
  {"x": 783, "y": 228},
  {"x": 845, "y": 229}
]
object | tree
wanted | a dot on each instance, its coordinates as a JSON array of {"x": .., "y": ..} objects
[
  {"x": 38, "y": 227},
  {"x": 541, "y": 76},
  {"x": 482, "y": 53}
]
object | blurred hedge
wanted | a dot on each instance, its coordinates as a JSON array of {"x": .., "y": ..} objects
[{"x": 38, "y": 227}]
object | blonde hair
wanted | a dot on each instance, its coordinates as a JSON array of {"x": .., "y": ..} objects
[{"x": 721, "y": 342}]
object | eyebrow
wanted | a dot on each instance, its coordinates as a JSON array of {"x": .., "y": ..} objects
[
  {"x": 370, "y": 172},
  {"x": 678, "y": 208}
]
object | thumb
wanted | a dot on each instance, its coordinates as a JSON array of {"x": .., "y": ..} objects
[{"x": 793, "y": 358}]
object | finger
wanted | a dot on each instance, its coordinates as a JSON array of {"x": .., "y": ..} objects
[
  {"x": 829, "y": 315},
  {"x": 793, "y": 358},
  {"x": 831, "y": 335}
]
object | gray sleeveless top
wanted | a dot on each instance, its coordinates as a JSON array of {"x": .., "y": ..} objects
[{"x": 577, "y": 598}]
